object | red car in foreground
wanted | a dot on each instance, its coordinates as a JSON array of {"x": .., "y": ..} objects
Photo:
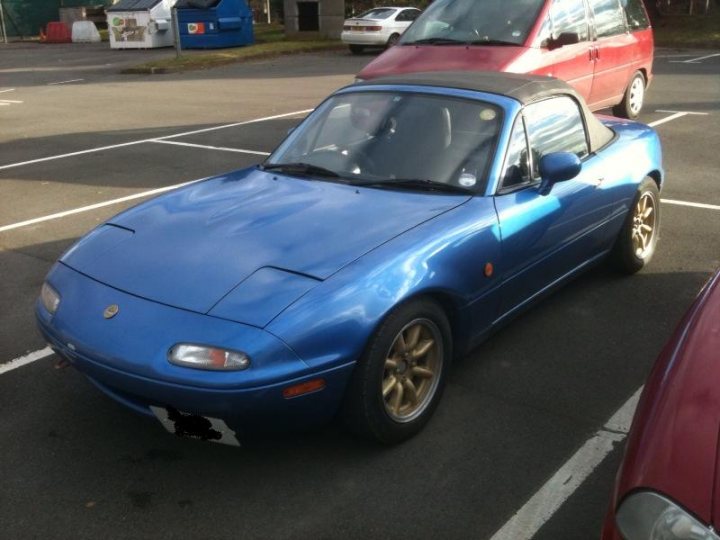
[
  {"x": 603, "y": 48},
  {"x": 667, "y": 485}
]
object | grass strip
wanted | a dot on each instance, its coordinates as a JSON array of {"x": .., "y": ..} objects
[{"x": 688, "y": 31}]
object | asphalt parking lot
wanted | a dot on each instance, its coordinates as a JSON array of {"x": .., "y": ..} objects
[{"x": 528, "y": 436}]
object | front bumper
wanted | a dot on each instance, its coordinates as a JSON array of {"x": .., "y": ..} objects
[{"x": 126, "y": 357}]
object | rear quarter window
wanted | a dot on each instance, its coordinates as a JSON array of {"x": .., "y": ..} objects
[
  {"x": 635, "y": 14},
  {"x": 609, "y": 17}
]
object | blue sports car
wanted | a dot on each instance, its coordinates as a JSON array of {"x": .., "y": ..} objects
[{"x": 403, "y": 221}]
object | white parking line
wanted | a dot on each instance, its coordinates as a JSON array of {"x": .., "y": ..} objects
[
  {"x": 24, "y": 360},
  {"x": 59, "y": 215},
  {"x": 7, "y": 90},
  {"x": 153, "y": 139},
  {"x": 561, "y": 485},
  {"x": 670, "y": 118},
  {"x": 686, "y": 112},
  {"x": 65, "y": 82},
  {"x": 691, "y": 204},
  {"x": 94, "y": 206},
  {"x": 205, "y": 147},
  {"x": 694, "y": 60}
]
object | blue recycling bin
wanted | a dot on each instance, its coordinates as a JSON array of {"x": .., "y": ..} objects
[{"x": 214, "y": 24}]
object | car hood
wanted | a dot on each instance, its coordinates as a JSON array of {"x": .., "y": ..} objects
[
  {"x": 420, "y": 58},
  {"x": 192, "y": 247},
  {"x": 673, "y": 446}
]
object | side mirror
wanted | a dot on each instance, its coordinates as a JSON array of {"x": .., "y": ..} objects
[
  {"x": 558, "y": 167},
  {"x": 566, "y": 38}
]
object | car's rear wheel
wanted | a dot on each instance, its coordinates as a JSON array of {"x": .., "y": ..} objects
[
  {"x": 356, "y": 49},
  {"x": 397, "y": 383},
  {"x": 393, "y": 40},
  {"x": 635, "y": 245},
  {"x": 634, "y": 98}
]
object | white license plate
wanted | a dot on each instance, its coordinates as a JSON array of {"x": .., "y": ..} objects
[{"x": 193, "y": 426}]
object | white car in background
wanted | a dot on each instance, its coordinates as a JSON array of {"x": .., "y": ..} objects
[{"x": 379, "y": 27}]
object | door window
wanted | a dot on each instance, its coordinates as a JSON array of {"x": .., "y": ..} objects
[
  {"x": 635, "y": 14},
  {"x": 555, "y": 125},
  {"x": 609, "y": 17},
  {"x": 517, "y": 163}
]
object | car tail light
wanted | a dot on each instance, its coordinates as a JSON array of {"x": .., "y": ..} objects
[
  {"x": 373, "y": 28},
  {"x": 347, "y": 27},
  {"x": 306, "y": 387}
]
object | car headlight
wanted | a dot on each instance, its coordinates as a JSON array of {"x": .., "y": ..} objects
[
  {"x": 50, "y": 298},
  {"x": 203, "y": 357},
  {"x": 650, "y": 516}
]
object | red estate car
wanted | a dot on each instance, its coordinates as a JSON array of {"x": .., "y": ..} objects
[
  {"x": 667, "y": 485},
  {"x": 604, "y": 48}
]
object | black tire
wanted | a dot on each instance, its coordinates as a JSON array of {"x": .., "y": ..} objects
[
  {"x": 634, "y": 98},
  {"x": 356, "y": 49},
  {"x": 392, "y": 40},
  {"x": 627, "y": 255},
  {"x": 365, "y": 410}
]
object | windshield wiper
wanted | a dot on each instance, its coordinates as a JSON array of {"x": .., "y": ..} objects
[
  {"x": 300, "y": 168},
  {"x": 415, "y": 184},
  {"x": 436, "y": 41},
  {"x": 493, "y": 42}
]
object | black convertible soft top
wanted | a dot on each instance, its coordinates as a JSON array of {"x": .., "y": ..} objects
[{"x": 521, "y": 87}]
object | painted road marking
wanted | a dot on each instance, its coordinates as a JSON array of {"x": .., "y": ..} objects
[
  {"x": 153, "y": 139},
  {"x": 24, "y": 360},
  {"x": 695, "y": 60},
  {"x": 691, "y": 204},
  {"x": 686, "y": 112},
  {"x": 670, "y": 118},
  {"x": 88, "y": 208},
  {"x": 8, "y": 90},
  {"x": 94, "y": 206},
  {"x": 550, "y": 497},
  {"x": 205, "y": 147},
  {"x": 65, "y": 82}
]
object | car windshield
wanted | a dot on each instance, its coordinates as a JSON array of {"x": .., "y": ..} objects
[
  {"x": 492, "y": 22},
  {"x": 382, "y": 13},
  {"x": 394, "y": 140}
]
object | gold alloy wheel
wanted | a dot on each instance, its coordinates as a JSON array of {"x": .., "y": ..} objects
[
  {"x": 412, "y": 370},
  {"x": 643, "y": 229}
]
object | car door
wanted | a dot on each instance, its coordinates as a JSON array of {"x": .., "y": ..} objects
[
  {"x": 546, "y": 237},
  {"x": 560, "y": 57},
  {"x": 615, "y": 53}
]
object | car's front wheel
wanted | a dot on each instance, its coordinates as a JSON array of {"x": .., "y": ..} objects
[
  {"x": 397, "y": 383},
  {"x": 634, "y": 98},
  {"x": 635, "y": 245}
]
